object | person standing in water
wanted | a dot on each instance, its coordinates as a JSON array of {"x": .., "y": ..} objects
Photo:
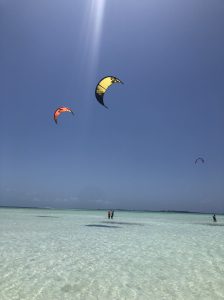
[
  {"x": 214, "y": 218},
  {"x": 109, "y": 214},
  {"x": 112, "y": 214}
]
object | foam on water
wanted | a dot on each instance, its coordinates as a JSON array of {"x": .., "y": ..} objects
[{"x": 53, "y": 254}]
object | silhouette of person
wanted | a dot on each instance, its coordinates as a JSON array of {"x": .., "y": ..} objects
[
  {"x": 112, "y": 214},
  {"x": 109, "y": 215},
  {"x": 214, "y": 218}
]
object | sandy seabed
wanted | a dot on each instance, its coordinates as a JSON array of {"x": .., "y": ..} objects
[{"x": 73, "y": 254}]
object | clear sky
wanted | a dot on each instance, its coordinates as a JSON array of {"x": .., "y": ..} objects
[{"x": 139, "y": 153}]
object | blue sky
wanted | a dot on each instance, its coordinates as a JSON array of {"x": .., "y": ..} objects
[{"x": 138, "y": 154}]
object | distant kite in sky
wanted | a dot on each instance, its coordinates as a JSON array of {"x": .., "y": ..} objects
[
  {"x": 60, "y": 110},
  {"x": 199, "y": 159},
  {"x": 102, "y": 87}
]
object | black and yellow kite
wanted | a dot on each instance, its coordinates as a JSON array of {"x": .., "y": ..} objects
[{"x": 102, "y": 87}]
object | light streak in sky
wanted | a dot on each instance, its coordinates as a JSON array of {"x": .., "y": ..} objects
[{"x": 93, "y": 33}]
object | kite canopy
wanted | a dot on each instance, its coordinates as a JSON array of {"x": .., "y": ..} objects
[
  {"x": 102, "y": 87},
  {"x": 199, "y": 159},
  {"x": 60, "y": 110}
]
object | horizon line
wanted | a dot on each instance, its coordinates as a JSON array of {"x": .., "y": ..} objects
[{"x": 116, "y": 209}]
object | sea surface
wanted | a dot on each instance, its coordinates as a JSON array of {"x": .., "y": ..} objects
[{"x": 75, "y": 254}]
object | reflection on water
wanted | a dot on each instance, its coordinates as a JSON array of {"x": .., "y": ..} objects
[
  {"x": 123, "y": 223},
  {"x": 104, "y": 226},
  {"x": 46, "y": 217},
  {"x": 210, "y": 224}
]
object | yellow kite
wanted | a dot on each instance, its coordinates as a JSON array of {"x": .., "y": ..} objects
[{"x": 102, "y": 87}]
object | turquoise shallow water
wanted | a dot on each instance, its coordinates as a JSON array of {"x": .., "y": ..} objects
[{"x": 71, "y": 254}]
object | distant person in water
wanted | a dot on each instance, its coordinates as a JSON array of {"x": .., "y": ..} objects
[
  {"x": 112, "y": 214},
  {"x": 214, "y": 218},
  {"x": 109, "y": 214}
]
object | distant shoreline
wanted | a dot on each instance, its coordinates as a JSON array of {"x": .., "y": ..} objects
[{"x": 116, "y": 209}]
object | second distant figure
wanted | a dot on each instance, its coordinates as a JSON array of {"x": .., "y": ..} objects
[{"x": 110, "y": 214}]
